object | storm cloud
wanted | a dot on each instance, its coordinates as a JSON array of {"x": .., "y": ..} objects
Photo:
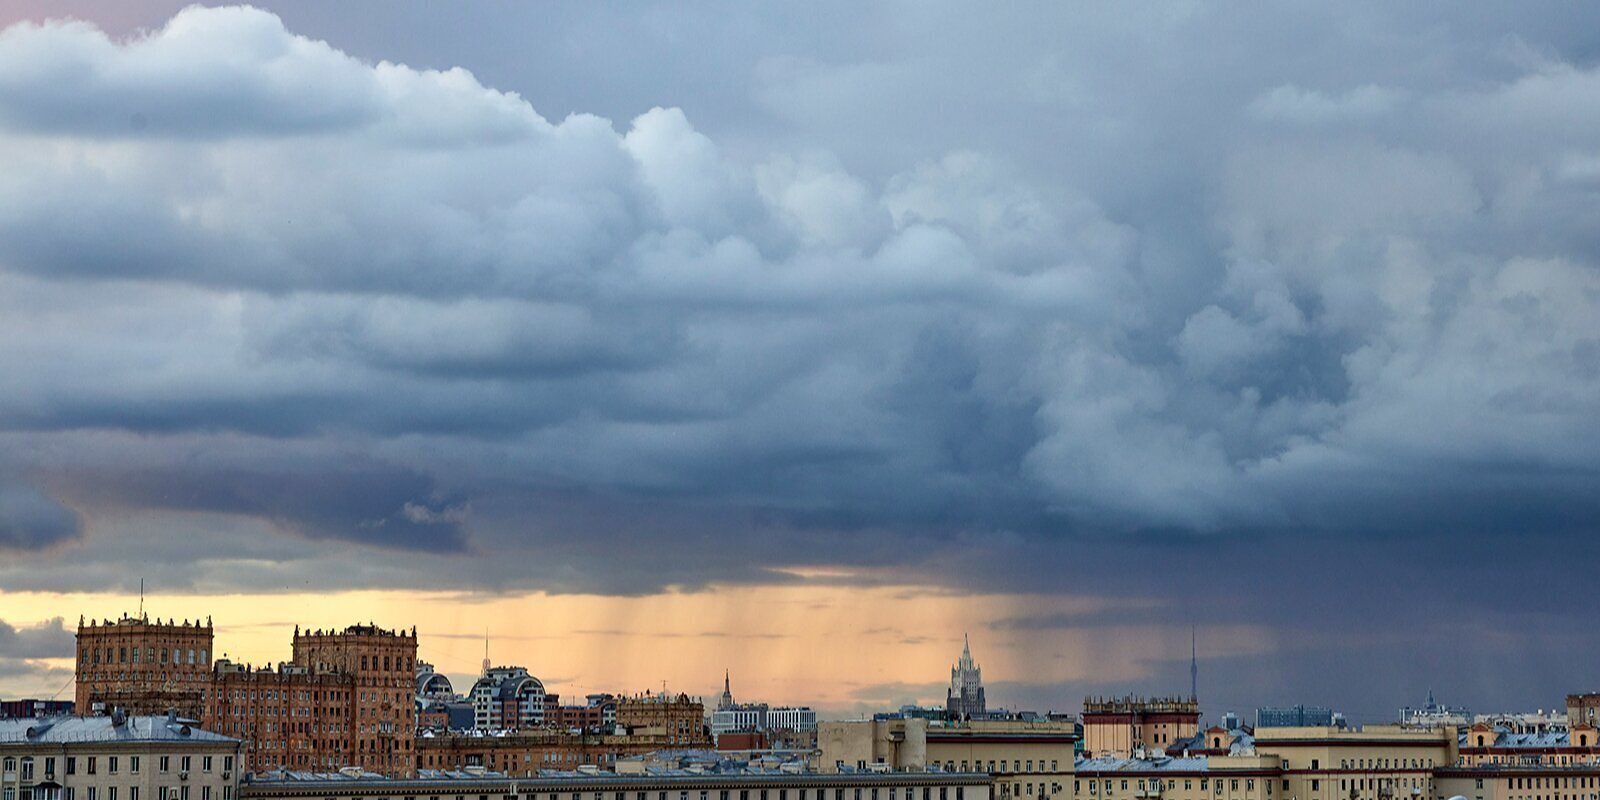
[{"x": 1013, "y": 302}]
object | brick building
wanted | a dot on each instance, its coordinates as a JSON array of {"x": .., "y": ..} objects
[
  {"x": 381, "y": 664},
  {"x": 143, "y": 667},
  {"x": 527, "y": 752},
  {"x": 287, "y": 717},
  {"x": 598, "y": 711},
  {"x": 680, "y": 718}
]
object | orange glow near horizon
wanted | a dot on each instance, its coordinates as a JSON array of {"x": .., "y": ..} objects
[{"x": 842, "y": 649}]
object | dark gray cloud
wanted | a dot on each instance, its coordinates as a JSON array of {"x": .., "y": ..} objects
[
  {"x": 26, "y": 650},
  {"x": 49, "y": 639},
  {"x": 1046, "y": 300},
  {"x": 30, "y": 520}
]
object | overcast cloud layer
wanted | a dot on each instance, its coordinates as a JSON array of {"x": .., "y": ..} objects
[{"x": 1113, "y": 303}]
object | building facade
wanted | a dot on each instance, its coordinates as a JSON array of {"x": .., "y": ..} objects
[
  {"x": 672, "y": 785},
  {"x": 286, "y": 717},
  {"x": 1026, "y": 760},
  {"x": 679, "y": 718},
  {"x": 115, "y": 757},
  {"x": 1299, "y": 716},
  {"x": 33, "y": 707},
  {"x": 381, "y": 664},
  {"x": 1518, "y": 783},
  {"x": 758, "y": 717},
  {"x": 507, "y": 699},
  {"x": 1485, "y": 744},
  {"x": 965, "y": 697},
  {"x": 1190, "y": 778},
  {"x": 527, "y": 752},
  {"x": 1584, "y": 709},
  {"x": 1374, "y": 763},
  {"x": 1121, "y": 727},
  {"x": 143, "y": 667},
  {"x": 599, "y": 711}
]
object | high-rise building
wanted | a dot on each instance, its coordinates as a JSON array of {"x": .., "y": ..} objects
[
  {"x": 965, "y": 698},
  {"x": 381, "y": 736},
  {"x": 432, "y": 684},
  {"x": 507, "y": 698},
  {"x": 287, "y": 717},
  {"x": 143, "y": 667},
  {"x": 726, "y": 700}
]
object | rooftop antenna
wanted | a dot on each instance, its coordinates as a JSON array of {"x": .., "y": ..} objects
[
  {"x": 141, "y": 598},
  {"x": 486, "y": 650}
]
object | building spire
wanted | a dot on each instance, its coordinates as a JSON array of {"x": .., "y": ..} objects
[
  {"x": 726, "y": 700},
  {"x": 1194, "y": 666}
]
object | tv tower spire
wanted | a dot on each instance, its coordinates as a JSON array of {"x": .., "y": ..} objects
[{"x": 1194, "y": 667}]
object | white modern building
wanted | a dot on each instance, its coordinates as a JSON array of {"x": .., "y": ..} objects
[{"x": 507, "y": 698}]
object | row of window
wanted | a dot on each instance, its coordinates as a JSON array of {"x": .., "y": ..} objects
[
  {"x": 1382, "y": 763},
  {"x": 1017, "y": 765},
  {"x": 1157, "y": 784},
  {"x": 121, "y": 655},
  {"x": 91, "y": 764}
]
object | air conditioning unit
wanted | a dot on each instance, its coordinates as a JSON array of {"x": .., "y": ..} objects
[
  {"x": 225, "y": 775},
  {"x": 183, "y": 776}
]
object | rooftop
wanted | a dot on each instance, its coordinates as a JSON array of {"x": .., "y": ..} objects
[{"x": 68, "y": 730}]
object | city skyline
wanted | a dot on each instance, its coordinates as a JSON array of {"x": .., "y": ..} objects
[
  {"x": 798, "y": 341},
  {"x": 459, "y": 655}
]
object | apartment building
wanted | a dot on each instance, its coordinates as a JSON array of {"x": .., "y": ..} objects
[{"x": 115, "y": 757}]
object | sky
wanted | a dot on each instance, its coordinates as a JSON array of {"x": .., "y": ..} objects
[{"x": 652, "y": 341}]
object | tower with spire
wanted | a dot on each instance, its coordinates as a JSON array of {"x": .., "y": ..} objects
[
  {"x": 965, "y": 699},
  {"x": 726, "y": 701},
  {"x": 1194, "y": 667}
]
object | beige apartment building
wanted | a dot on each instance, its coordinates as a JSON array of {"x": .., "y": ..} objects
[
  {"x": 1581, "y": 782},
  {"x": 1485, "y": 744},
  {"x": 1379, "y": 761},
  {"x": 354, "y": 785},
  {"x": 115, "y": 757},
  {"x": 1120, "y": 727},
  {"x": 1167, "y": 778},
  {"x": 1026, "y": 759}
]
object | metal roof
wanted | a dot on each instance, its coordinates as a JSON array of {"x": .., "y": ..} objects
[
  {"x": 67, "y": 730},
  {"x": 1141, "y": 765}
]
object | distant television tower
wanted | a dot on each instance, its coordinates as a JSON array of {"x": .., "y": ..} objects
[{"x": 1194, "y": 667}]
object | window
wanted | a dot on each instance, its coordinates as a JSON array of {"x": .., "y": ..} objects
[
  {"x": 72, "y": 765},
  {"x": 111, "y": 764},
  {"x": 90, "y": 767},
  {"x": 133, "y": 767},
  {"x": 163, "y": 765}
]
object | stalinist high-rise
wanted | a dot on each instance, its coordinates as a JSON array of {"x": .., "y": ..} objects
[{"x": 966, "y": 686}]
